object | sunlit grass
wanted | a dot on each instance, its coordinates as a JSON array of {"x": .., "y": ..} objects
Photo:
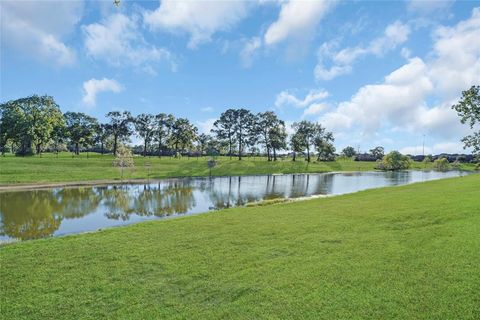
[{"x": 408, "y": 252}]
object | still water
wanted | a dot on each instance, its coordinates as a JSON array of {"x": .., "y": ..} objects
[{"x": 51, "y": 212}]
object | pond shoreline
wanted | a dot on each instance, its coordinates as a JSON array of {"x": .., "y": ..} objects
[
  {"x": 143, "y": 199},
  {"x": 103, "y": 182},
  {"x": 93, "y": 183}
]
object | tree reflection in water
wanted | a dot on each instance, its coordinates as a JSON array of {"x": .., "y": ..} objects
[
  {"x": 148, "y": 200},
  {"x": 39, "y": 213}
]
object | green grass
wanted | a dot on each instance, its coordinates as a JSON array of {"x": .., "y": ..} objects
[
  {"x": 49, "y": 168},
  {"x": 410, "y": 252}
]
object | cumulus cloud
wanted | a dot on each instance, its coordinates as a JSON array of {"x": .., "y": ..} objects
[
  {"x": 118, "y": 41},
  {"x": 403, "y": 99},
  {"x": 286, "y": 98},
  {"x": 31, "y": 28},
  {"x": 457, "y": 50},
  {"x": 341, "y": 61},
  {"x": 314, "y": 109},
  {"x": 93, "y": 87},
  {"x": 199, "y": 19},
  {"x": 296, "y": 19}
]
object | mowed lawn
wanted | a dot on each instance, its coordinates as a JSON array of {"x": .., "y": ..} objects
[
  {"x": 66, "y": 168},
  {"x": 410, "y": 252}
]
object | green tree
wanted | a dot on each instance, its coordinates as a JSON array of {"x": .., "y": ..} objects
[
  {"x": 266, "y": 122},
  {"x": 377, "y": 152},
  {"x": 296, "y": 144},
  {"x": 468, "y": 108},
  {"x": 278, "y": 138},
  {"x": 305, "y": 131},
  {"x": 80, "y": 129},
  {"x": 349, "y": 152},
  {"x": 119, "y": 127},
  {"x": 441, "y": 164},
  {"x": 224, "y": 128},
  {"x": 323, "y": 142},
  {"x": 394, "y": 161},
  {"x": 203, "y": 140},
  {"x": 29, "y": 121},
  {"x": 163, "y": 127},
  {"x": 244, "y": 122},
  {"x": 182, "y": 135},
  {"x": 145, "y": 127},
  {"x": 426, "y": 161},
  {"x": 101, "y": 136}
]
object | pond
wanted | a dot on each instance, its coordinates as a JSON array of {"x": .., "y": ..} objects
[{"x": 42, "y": 213}]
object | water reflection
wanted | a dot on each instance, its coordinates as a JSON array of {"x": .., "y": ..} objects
[{"x": 42, "y": 213}]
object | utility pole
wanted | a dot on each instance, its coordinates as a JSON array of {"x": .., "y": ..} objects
[{"x": 423, "y": 146}]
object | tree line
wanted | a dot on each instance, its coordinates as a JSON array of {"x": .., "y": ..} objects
[{"x": 35, "y": 124}]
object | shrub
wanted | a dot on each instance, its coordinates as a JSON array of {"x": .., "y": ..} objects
[
  {"x": 394, "y": 161},
  {"x": 456, "y": 164},
  {"x": 426, "y": 160},
  {"x": 124, "y": 158},
  {"x": 441, "y": 164}
]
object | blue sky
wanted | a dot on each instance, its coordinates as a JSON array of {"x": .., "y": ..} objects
[{"x": 375, "y": 73}]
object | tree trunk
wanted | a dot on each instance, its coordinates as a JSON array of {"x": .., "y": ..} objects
[
  {"x": 102, "y": 147},
  {"x": 159, "y": 146},
  {"x": 145, "y": 149},
  {"x": 115, "y": 139},
  {"x": 308, "y": 154},
  {"x": 274, "y": 154},
  {"x": 268, "y": 154},
  {"x": 240, "y": 149},
  {"x": 294, "y": 156},
  {"x": 77, "y": 151}
]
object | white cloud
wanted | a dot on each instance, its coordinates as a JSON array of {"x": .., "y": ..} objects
[
  {"x": 200, "y": 19},
  {"x": 118, "y": 40},
  {"x": 428, "y": 6},
  {"x": 341, "y": 61},
  {"x": 336, "y": 121},
  {"x": 403, "y": 90},
  {"x": 93, "y": 87},
  {"x": 296, "y": 19},
  {"x": 285, "y": 98},
  {"x": 402, "y": 100},
  {"x": 251, "y": 46},
  {"x": 37, "y": 28},
  {"x": 314, "y": 109},
  {"x": 457, "y": 52},
  {"x": 206, "y": 126}
]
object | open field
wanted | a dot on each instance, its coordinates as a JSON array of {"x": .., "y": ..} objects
[
  {"x": 406, "y": 252},
  {"x": 49, "y": 168}
]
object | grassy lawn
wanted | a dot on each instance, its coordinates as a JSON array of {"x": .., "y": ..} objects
[
  {"x": 410, "y": 252},
  {"x": 49, "y": 168}
]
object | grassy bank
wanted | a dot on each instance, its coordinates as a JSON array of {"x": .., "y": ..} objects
[
  {"x": 49, "y": 168},
  {"x": 402, "y": 252}
]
